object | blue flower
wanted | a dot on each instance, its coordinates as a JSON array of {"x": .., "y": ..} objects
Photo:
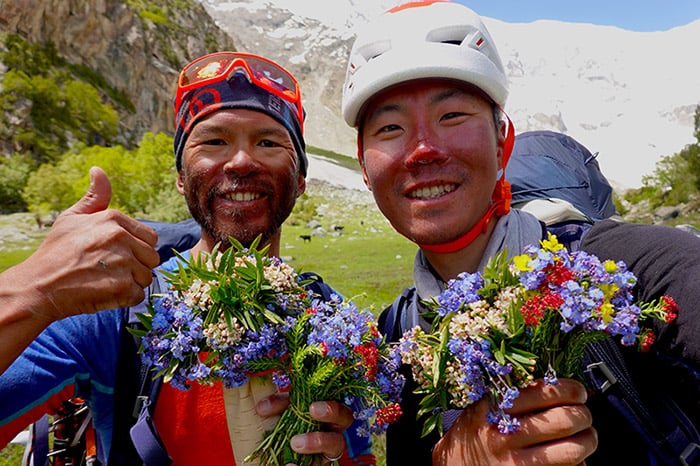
[{"x": 459, "y": 292}]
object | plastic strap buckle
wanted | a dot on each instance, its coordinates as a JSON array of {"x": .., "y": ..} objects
[
  {"x": 691, "y": 455},
  {"x": 609, "y": 378},
  {"x": 142, "y": 402}
]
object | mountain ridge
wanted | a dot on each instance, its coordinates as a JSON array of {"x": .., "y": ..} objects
[{"x": 616, "y": 91}]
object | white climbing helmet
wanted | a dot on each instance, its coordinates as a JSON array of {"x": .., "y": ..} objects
[{"x": 424, "y": 39}]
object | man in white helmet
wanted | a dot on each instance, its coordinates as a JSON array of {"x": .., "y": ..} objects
[{"x": 425, "y": 88}]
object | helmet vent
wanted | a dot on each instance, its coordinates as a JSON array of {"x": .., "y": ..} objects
[
  {"x": 375, "y": 50},
  {"x": 451, "y": 34}
]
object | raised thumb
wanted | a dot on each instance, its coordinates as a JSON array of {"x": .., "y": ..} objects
[{"x": 97, "y": 196}]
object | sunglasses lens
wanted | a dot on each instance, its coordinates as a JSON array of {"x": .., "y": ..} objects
[
  {"x": 213, "y": 66},
  {"x": 271, "y": 75},
  {"x": 206, "y": 68}
]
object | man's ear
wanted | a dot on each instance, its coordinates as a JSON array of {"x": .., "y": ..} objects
[
  {"x": 501, "y": 133},
  {"x": 361, "y": 159},
  {"x": 365, "y": 178},
  {"x": 180, "y": 183},
  {"x": 301, "y": 184}
]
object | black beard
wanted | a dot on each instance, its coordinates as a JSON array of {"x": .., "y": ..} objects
[{"x": 245, "y": 236}]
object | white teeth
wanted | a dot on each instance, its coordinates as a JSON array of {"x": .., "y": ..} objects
[
  {"x": 242, "y": 197},
  {"x": 433, "y": 191}
]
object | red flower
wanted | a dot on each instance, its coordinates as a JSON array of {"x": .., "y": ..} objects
[
  {"x": 671, "y": 308},
  {"x": 558, "y": 274},
  {"x": 648, "y": 340},
  {"x": 388, "y": 414},
  {"x": 368, "y": 352},
  {"x": 534, "y": 308}
]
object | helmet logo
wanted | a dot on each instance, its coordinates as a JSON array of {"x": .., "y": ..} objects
[{"x": 405, "y": 6}]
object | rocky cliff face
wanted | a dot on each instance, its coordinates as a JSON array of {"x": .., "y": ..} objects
[{"x": 138, "y": 50}]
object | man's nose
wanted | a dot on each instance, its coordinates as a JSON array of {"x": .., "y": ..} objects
[
  {"x": 240, "y": 160},
  {"x": 424, "y": 151}
]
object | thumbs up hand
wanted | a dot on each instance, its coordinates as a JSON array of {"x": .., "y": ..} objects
[
  {"x": 93, "y": 258},
  {"x": 97, "y": 196}
]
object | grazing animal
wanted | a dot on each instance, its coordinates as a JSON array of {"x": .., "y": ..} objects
[{"x": 306, "y": 238}]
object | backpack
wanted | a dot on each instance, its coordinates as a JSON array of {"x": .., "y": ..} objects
[
  {"x": 560, "y": 174},
  {"x": 558, "y": 180}
]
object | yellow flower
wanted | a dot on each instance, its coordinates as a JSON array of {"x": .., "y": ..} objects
[
  {"x": 610, "y": 266},
  {"x": 522, "y": 263},
  {"x": 607, "y": 310},
  {"x": 551, "y": 243},
  {"x": 609, "y": 290}
]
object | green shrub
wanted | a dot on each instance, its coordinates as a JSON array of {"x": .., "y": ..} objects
[
  {"x": 140, "y": 179},
  {"x": 14, "y": 173}
]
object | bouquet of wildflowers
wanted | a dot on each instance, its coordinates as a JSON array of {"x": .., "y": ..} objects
[
  {"x": 239, "y": 315},
  {"x": 494, "y": 332}
]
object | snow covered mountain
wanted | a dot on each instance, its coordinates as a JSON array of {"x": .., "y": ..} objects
[{"x": 630, "y": 96}]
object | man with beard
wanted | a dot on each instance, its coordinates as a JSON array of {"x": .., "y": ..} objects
[{"x": 241, "y": 162}]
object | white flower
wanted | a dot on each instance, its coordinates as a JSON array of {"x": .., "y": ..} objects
[
  {"x": 221, "y": 336},
  {"x": 282, "y": 277},
  {"x": 197, "y": 295}
]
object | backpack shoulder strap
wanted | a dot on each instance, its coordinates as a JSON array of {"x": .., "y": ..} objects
[
  {"x": 570, "y": 233},
  {"x": 317, "y": 285},
  {"x": 397, "y": 318},
  {"x": 668, "y": 432},
  {"x": 144, "y": 434},
  {"x": 37, "y": 450},
  {"x": 135, "y": 439}
]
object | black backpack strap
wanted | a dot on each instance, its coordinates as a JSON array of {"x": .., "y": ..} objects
[
  {"x": 570, "y": 234},
  {"x": 317, "y": 285},
  {"x": 135, "y": 439},
  {"x": 37, "y": 450},
  {"x": 395, "y": 319},
  {"x": 666, "y": 429},
  {"x": 144, "y": 435}
]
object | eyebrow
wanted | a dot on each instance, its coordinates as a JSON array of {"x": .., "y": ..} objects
[
  {"x": 435, "y": 99},
  {"x": 207, "y": 131},
  {"x": 448, "y": 94},
  {"x": 273, "y": 131}
]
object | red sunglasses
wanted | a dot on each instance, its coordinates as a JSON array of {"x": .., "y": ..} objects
[{"x": 262, "y": 72}]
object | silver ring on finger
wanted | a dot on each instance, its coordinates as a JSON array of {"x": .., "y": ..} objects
[{"x": 334, "y": 459}]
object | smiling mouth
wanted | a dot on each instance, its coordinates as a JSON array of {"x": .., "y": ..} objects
[
  {"x": 243, "y": 196},
  {"x": 432, "y": 191}
]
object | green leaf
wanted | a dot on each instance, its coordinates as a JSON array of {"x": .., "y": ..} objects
[
  {"x": 432, "y": 423},
  {"x": 145, "y": 319}
]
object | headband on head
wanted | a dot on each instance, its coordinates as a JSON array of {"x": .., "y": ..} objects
[{"x": 236, "y": 92}]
